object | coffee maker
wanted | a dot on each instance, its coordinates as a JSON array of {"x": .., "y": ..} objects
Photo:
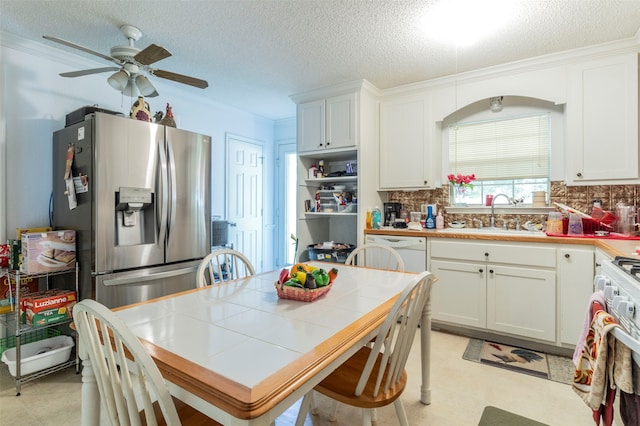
[{"x": 391, "y": 212}]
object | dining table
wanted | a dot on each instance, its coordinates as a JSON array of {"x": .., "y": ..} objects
[{"x": 242, "y": 355}]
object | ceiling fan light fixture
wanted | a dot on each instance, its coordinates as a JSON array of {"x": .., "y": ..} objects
[
  {"x": 130, "y": 89},
  {"x": 145, "y": 86},
  {"x": 119, "y": 79}
]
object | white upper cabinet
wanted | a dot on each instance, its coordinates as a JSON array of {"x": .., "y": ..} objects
[
  {"x": 602, "y": 121},
  {"x": 408, "y": 158},
  {"x": 328, "y": 123}
]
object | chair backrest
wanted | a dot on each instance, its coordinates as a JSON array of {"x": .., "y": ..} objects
[
  {"x": 223, "y": 265},
  {"x": 375, "y": 255},
  {"x": 128, "y": 379},
  {"x": 396, "y": 335}
]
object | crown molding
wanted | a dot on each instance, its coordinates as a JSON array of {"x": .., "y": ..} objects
[{"x": 564, "y": 58}]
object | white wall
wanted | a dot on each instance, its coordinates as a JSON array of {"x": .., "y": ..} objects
[{"x": 35, "y": 101}]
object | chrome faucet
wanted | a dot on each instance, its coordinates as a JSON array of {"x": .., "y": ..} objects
[{"x": 493, "y": 202}]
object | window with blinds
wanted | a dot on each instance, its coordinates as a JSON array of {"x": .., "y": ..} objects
[{"x": 507, "y": 155}]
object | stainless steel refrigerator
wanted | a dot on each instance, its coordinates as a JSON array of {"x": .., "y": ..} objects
[{"x": 142, "y": 210}]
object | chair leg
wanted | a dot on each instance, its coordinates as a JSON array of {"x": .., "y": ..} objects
[
  {"x": 402, "y": 414},
  {"x": 304, "y": 409},
  {"x": 333, "y": 410},
  {"x": 366, "y": 417},
  {"x": 313, "y": 405},
  {"x": 374, "y": 415}
]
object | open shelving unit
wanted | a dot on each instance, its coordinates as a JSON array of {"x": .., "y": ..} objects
[{"x": 12, "y": 321}]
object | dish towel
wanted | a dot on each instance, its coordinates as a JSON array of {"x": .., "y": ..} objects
[
  {"x": 597, "y": 297},
  {"x": 602, "y": 365}
]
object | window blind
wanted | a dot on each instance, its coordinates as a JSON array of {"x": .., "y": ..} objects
[{"x": 512, "y": 148}]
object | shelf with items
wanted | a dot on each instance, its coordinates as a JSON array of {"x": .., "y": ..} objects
[
  {"x": 26, "y": 333},
  {"x": 326, "y": 180}
]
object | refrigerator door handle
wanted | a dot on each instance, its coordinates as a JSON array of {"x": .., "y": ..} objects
[
  {"x": 171, "y": 168},
  {"x": 164, "y": 195},
  {"x": 137, "y": 279}
]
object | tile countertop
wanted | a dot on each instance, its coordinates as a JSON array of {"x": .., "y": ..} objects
[{"x": 610, "y": 246}]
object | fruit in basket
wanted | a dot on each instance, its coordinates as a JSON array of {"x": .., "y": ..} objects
[
  {"x": 333, "y": 273},
  {"x": 321, "y": 277},
  {"x": 301, "y": 276},
  {"x": 284, "y": 276},
  {"x": 293, "y": 282},
  {"x": 310, "y": 281},
  {"x": 301, "y": 267}
]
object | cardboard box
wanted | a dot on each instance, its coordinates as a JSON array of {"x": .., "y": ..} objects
[
  {"x": 48, "y": 307},
  {"x": 20, "y": 231},
  {"x": 44, "y": 252},
  {"x": 8, "y": 293}
]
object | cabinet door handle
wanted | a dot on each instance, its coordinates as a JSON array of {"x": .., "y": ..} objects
[
  {"x": 481, "y": 270},
  {"x": 579, "y": 174},
  {"x": 486, "y": 254},
  {"x": 426, "y": 182},
  {"x": 328, "y": 143},
  {"x": 567, "y": 255},
  {"x": 491, "y": 271},
  {"x": 598, "y": 265}
]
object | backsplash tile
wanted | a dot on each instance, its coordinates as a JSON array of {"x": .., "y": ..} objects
[{"x": 578, "y": 197}]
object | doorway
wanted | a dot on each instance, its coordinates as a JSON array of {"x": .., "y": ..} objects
[
  {"x": 244, "y": 196},
  {"x": 286, "y": 206}
]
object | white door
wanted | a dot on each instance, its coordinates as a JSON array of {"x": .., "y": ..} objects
[{"x": 244, "y": 196}]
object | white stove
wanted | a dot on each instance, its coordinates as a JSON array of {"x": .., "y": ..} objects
[{"x": 620, "y": 282}]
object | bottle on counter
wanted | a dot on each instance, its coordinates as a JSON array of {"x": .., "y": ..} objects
[
  {"x": 375, "y": 218},
  {"x": 440, "y": 220},
  {"x": 369, "y": 219},
  {"x": 430, "y": 222}
]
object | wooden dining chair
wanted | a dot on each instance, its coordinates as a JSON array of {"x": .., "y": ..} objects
[
  {"x": 129, "y": 383},
  {"x": 375, "y": 255},
  {"x": 223, "y": 265},
  {"x": 375, "y": 376}
]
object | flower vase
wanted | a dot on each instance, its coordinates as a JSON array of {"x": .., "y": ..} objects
[{"x": 457, "y": 194}]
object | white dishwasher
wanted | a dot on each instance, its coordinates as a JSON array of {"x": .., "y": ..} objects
[{"x": 413, "y": 250}]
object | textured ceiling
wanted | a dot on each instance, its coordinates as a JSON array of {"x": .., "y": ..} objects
[{"x": 255, "y": 53}]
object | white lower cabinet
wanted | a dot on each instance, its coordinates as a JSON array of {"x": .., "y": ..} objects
[
  {"x": 460, "y": 294},
  {"x": 520, "y": 301},
  {"x": 575, "y": 281},
  {"x": 503, "y": 287}
]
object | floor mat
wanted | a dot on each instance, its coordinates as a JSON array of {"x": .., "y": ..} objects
[
  {"x": 492, "y": 416},
  {"x": 552, "y": 367}
]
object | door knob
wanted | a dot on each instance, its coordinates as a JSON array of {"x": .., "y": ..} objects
[{"x": 567, "y": 255}]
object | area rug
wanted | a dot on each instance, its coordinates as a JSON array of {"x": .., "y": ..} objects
[
  {"x": 492, "y": 416},
  {"x": 557, "y": 368}
]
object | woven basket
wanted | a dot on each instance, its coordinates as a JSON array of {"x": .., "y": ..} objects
[{"x": 301, "y": 294}]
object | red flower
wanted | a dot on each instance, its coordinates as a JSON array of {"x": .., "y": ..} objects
[{"x": 462, "y": 180}]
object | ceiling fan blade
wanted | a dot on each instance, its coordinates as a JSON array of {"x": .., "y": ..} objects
[
  {"x": 152, "y": 53},
  {"x": 87, "y": 72},
  {"x": 84, "y": 49},
  {"x": 191, "y": 81}
]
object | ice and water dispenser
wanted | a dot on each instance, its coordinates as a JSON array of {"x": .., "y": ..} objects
[{"x": 135, "y": 216}]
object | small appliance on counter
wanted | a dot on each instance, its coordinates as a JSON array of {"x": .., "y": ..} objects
[{"x": 391, "y": 213}]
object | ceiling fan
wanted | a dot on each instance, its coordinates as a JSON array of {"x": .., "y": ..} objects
[{"x": 132, "y": 62}]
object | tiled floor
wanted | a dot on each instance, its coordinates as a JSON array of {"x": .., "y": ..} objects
[{"x": 460, "y": 391}]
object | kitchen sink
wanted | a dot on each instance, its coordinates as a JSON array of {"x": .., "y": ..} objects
[{"x": 492, "y": 231}]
